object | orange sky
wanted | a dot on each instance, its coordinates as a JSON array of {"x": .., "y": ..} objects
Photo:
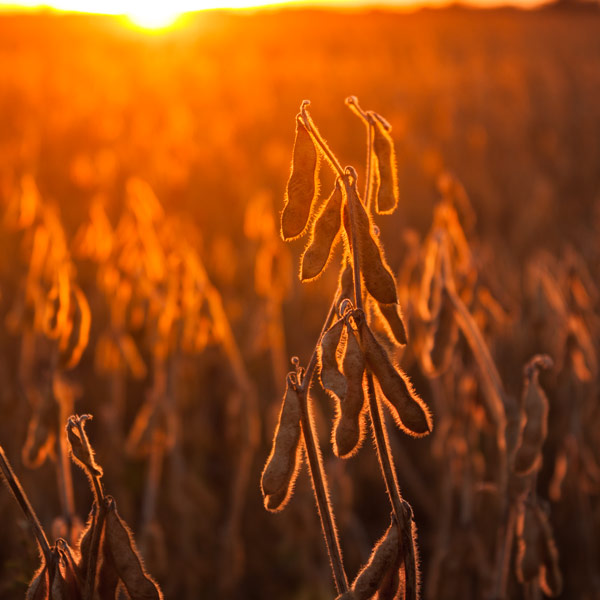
[{"x": 181, "y": 6}]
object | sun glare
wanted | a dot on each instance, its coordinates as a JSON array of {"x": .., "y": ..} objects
[{"x": 151, "y": 16}]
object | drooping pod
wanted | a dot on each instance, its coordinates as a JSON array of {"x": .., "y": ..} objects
[
  {"x": 282, "y": 465},
  {"x": 383, "y": 558},
  {"x": 409, "y": 411},
  {"x": 332, "y": 379},
  {"x": 348, "y": 428},
  {"x": 534, "y": 405},
  {"x": 378, "y": 278},
  {"x": 324, "y": 233},
  {"x": 529, "y": 558},
  {"x": 550, "y": 576},
  {"x": 438, "y": 347},
  {"x": 387, "y": 172},
  {"x": 393, "y": 321},
  {"x": 302, "y": 186}
]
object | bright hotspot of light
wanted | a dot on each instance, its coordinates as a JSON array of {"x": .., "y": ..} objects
[{"x": 148, "y": 14}]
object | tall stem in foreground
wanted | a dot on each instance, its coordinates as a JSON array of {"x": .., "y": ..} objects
[
  {"x": 403, "y": 516},
  {"x": 315, "y": 464},
  {"x": 15, "y": 487}
]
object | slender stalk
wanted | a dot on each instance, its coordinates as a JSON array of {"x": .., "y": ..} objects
[
  {"x": 92, "y": 565},
  {"x": 312, "y": 129},
  {"x": 15, "y": 487},
  {"x": 350, "y": 180},
  {"x": 352, "y": 102},
  {"x": 384, "y": 454},
  {"x": 315, "y": 464},
  {"x": 399, "y": 505},
  {"x": 63, "y": 463},
  {"x": 319, "y": 482}
]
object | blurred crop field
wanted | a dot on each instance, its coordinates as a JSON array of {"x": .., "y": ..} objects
[{"x": 143, "y": 281}]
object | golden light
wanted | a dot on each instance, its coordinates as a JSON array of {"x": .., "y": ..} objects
[{"x": 151, "y": 16}]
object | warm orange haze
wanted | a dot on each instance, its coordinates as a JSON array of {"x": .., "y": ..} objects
[{"x": 299, "y": 304}]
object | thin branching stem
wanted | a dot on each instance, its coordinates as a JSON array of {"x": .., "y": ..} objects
[
  {"x": 315, "y": 465},
  {"x": 350, "y": 181},
  {"x": 314, "y": 132},
  {"x": 352, "y": 102},
  {"x": 15, "y": 487},
  {"x": 319, "y": 482},
  {"x": 402, "y": 514}
]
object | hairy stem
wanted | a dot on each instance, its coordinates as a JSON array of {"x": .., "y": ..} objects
[
  {"x": 15, "y": 487},
  {"x": 319, "y": 481},
  {"x": 314, "y": 132},
  {"x": 315, "y": 464},
  {"x": 402, "y": 512}
]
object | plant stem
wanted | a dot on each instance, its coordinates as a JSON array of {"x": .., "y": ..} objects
[
  {"x": 352, "y": 102},
  {"x": 384, "y": 454},
  {"x": 319, "y": 482},
  {"x": 314, "y": 132},
  {"x": 315, "y": 464},
  {"x": 401, "y": 514},
  {"x": 23, "y": 501}
]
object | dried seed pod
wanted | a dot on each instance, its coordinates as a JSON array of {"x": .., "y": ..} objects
[
  {"x": 346, "y": 281},
  {"x": 332, "y": 379},
  {"x": 529, "y": 558},
  {"x": 278, "y": 501},
  {"x": 302, "y": 186},
  {"x": 85, "y": 541},
  {"x": 126, "y": 558},
  {"x": 38, "y": 587},
  {"x": 348, "y": 429},
  {"x": 41, "y": 431},
  {"x": 393, "y": 321},
  {"x": 528, "y": 455},
  {"x": 283, "y": 460},
  {"x": 430, "y": 299},
  {"x": 409, "y": 411},
  {"x": 440, "y": 343},
  {"x": 108, "y": 577},
  {"x": 325, "y": 231},
  {"x": 550, "y": 576},
  {"x": 387, "y": 171},
  {"x": 382, "y": 559},
  {"x": 81, "y": 450},
  {"x": 378, "y": 278}
]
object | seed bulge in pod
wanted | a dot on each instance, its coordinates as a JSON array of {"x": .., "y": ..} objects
[
  {"x": 382, "y": 559},
  {"x": 387, "y": 189},
  {"x": 325, "y": 230},
  {"x": 378, "y": 278},
  {"x": 409, "y": 411},
  {"x": 528, "y": 455},
  {"x": 281, "y": 464},
  {"x": 302, "y": 187},
  {"x": 348, "y": 429},
  {"x": 332, "y": 379}
]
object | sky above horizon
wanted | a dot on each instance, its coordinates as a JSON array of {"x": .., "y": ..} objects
[{"x": 126, "y": 7}]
